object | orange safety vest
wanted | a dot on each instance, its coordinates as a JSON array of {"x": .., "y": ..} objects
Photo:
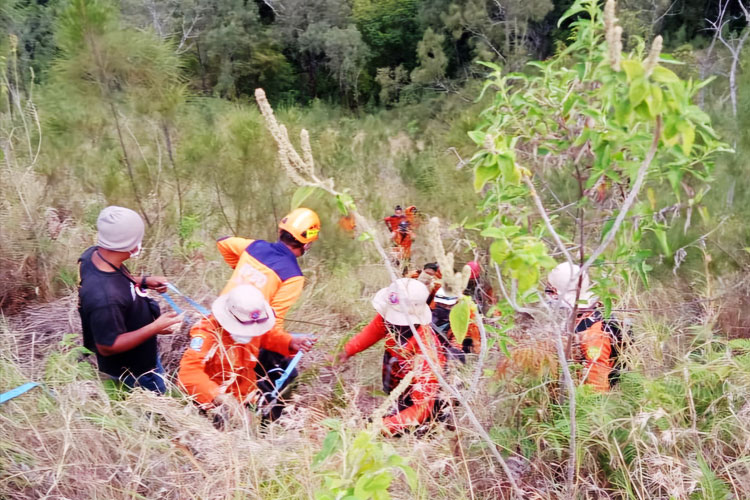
[
  {"x": 214, "y": 363},
  {"x": 270, "y": 267},
  {"x": 596, "y": 351}
]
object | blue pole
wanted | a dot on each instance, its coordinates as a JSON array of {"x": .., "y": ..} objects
[{"x": 7, "y": 396}]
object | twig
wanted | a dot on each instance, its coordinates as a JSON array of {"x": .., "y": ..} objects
[{"x": 543, "y": 214}]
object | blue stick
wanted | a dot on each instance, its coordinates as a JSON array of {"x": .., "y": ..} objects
[
  {"x": 265, "y": 409},
  {"x": 287, "y": 372},
  {"x": 190, "y": 301},
  {"x": 165, "y": 296},
  {"x": 7, "y": 396}
]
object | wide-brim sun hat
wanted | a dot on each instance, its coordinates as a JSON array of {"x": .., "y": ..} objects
[
  {"x": 442, "y": 298},
  {"x": 563, "y": 278},
  {"x": 403, "y": 303},
  {"x": 244, "y": 312}
]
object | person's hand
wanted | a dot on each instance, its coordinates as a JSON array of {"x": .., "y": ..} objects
[
  {"x": 227, "y": 409},
  {"x": 157, "y": 283},
  {"x": 303, "y": 344},
  {"x": 341, "y": 358},
  {"x": 163, "y": 323}
]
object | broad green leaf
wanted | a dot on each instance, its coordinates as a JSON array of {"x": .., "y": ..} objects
[
  {"x": 655, "y": 101},
  {"x": 633, "y": 69},
  {"x": 528, "y": 278},
  {"x": 511, "y": 174},
  {"x": 499, "y": 251},
  {"x": 664, "y": 75},
  {"x": 639, "y": 88},
  {"x": 500, "y": 232},
  {"x": 688, "y": 138},
  {"x": 477, "y": 136},
  {"x": 459, "y": 319},
  {"x": 330, "y": 444},
  {"x": 484, "y": 174},
  {"x": 301, "y": 194}
]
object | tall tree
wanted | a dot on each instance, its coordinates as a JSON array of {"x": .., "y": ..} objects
[
  {"x": 390, "y": 28},
  {"x": 118, "y": 71}
]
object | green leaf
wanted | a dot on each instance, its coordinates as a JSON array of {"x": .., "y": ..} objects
[
  {"x": 511, "y": 174},
  {"x": 527, "y": 278},
  {"x": 664, "y": 75},
  {"x": 655, "y": 101},
  {"x": 301, "y": 194},
  {"x": 688, "y": 138},
  {"x": 344, "y": 202},
  {"x": 499, "y": 250},
  {"x": 477, "y": 136},
  {"x": 484, "y": 174},
  {"x": 639, "y": 88},
  {"x": 574, "y": 9},
  {"x": 661, "y": 237},
  {"x": 459, "y": 319},
  {"x": 633, "y": 69},
  {"x": 500, "y": 232},
  {"x": 330, "y": 444}
]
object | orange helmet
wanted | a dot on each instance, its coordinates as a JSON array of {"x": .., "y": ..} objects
[{"x": 302, "y": 223}]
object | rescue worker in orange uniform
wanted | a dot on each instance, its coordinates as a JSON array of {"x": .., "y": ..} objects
[
  {"x": 596, "y": 340},
  {"x": 412, "y": 216},
  {"x": 220, "y": 366},
  {"x": 402, "y": 238},
  {"x": 392, "y": 221},
  {"x": 274, "y": 270},
  {"x": 273, "y": 267},
  {"x": 398, "y": 306}
]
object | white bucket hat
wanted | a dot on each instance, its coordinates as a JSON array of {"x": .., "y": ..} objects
[
  {"x": 441, "y": 297},
  {"x": 564, "y": 279},
  {"x": 244, "y": 312},
  {"x": 404, "y": 303}
]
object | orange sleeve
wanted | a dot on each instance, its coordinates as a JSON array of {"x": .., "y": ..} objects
[
  {"x": 231, "y": 249},
  {"x": 369, "y": 335},
  {"x": 285, "y": 297},
  {"x": 424, "y": 390},
  {"x": 276, "y": 340},
  {"x": 192, "y": 374}
]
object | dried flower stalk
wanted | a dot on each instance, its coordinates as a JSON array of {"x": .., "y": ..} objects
[{"x": 653, "y": 56}]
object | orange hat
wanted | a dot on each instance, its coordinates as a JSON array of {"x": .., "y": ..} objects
[{"x": 303, "y": 224}]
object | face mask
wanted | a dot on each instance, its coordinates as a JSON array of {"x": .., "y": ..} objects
[
  {"x": 240, "y": 339},
  {"x": 137, "y": 252}
]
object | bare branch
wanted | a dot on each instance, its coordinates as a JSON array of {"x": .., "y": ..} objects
[{"x": 547, "y": 222}]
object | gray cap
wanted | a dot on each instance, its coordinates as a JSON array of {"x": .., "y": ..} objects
[{"x": 120, "y": 229}]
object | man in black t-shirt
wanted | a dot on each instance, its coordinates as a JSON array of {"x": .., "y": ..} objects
[{"x": 119, "y": 321}]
